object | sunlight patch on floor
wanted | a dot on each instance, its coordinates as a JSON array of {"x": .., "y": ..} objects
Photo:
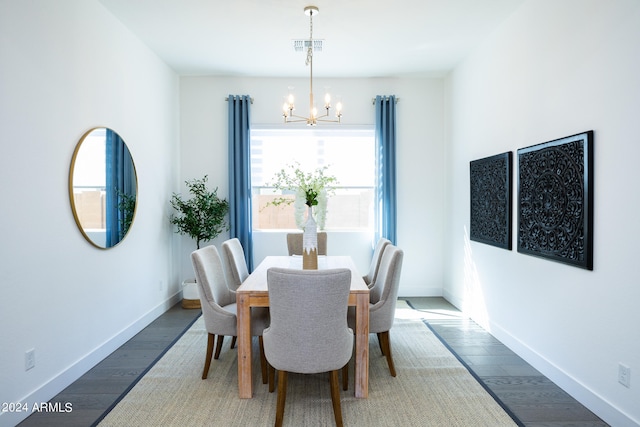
[
  {"x": 404, "y": 312},
  {"x": 429, "y": 308}
]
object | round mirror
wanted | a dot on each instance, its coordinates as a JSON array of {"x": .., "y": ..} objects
[{"x": 103, "y": 187}]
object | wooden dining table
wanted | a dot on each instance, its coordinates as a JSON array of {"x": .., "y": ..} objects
[{"x": 254, "y": 293}]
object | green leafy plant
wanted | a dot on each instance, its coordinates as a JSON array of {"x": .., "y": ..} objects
[
  {"x": 310, "y": 188},
  {"x": 127, "y": 207},
  {"x": 202, "y": 217},
  {"x": 292, "y": 178}
]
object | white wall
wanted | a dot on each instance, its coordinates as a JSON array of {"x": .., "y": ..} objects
[
  {"x": 555, "y": 69},
  {"x": 420, "y": 152},
  {"x": 67, "y": 66}
]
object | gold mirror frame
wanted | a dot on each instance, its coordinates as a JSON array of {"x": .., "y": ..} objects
[{"x": 131, "y": 211}]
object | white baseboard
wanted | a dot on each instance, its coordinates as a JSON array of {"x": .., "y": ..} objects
[
  {"x": 456, "y": 302},
  {"x": 61, "y": 381},
  {"x": 573, "y": 387},
  {"x": 406, "y": 292},
  {"x": 589, "y": 398}
]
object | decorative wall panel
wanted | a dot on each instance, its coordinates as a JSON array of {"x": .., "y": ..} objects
[
  {"x": 555, "y": 200},
  {"x": 490, "y": 180}
]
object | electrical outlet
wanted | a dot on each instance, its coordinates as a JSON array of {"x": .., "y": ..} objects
[
  {"x": 624, "y": 375},
  {"x": 29, "y": 359}
]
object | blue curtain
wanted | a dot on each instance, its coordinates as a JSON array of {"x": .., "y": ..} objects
[
  {"x": 386, "y": 198},
  {"x": 240, "y": 174},
  {"x": 120, "y": 181}
]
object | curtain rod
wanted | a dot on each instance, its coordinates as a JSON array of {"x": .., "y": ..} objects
[
  {"x": 373, "y": 100},
  {"x": 227, "y": 99}
]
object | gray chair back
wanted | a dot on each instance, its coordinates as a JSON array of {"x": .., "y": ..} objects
[
  {"x": 384, "y": 293},
  {"x": 308, "y": 331},
  {"x": 294, "y": 243},
  {"x": 213, "y": 291},
  {"x": 219, "y": 306},
  {"x": 236, "y": 270},
  {"x": 375, "y": 261}
]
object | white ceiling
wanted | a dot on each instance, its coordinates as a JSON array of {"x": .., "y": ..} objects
[{"x": 361, "y": 38}]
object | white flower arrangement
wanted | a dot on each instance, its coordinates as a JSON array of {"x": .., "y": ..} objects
[{"x": 311, "y": 191}]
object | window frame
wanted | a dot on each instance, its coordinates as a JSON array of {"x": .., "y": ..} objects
[{"x": 366, "y": 131}]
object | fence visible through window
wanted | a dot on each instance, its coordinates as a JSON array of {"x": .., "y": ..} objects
[{"x": 347, "y": 151}]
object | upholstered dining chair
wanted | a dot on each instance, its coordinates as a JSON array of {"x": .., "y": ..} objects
[
  {"x": 382, "y": 301},
  {"x": 294, "y": 243},
  {"x": 370, "y": 277},
  {"x": 219, "y": 306},
  {"x": 235, "y": 264},
  {"x": 308, "y": 333}
]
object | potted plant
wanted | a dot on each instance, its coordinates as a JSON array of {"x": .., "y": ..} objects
[
  {"x": 127, "y": 208},
  {"x": 203, "y": 218},
  {"x": 311, "y": 190}
]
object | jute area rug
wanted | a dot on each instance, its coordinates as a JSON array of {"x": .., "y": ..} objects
[{"x": 432, "y": 388}]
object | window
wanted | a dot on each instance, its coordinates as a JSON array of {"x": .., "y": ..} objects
[
  {"x": 89, "y": 182},
  {"x": 349, "y": 153}
]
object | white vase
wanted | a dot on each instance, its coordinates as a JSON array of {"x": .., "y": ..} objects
[{"x": 310, "y": 243}]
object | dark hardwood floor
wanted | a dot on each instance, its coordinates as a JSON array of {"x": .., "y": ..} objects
[
  {"x": 97, "y": 391},
  {"x": 529, "y": 397}
]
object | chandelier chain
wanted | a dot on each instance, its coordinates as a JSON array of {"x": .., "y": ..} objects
[{"x": 310, "y": 48}]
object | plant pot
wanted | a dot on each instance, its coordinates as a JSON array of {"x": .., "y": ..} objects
[{"x": 190, "y": 296}]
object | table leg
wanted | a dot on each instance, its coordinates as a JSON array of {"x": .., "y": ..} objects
[
  {"x": 362, "y": 346},
  {"x": 244, "y": 346}
]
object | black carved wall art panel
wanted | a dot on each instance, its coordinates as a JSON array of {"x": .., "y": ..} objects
[
  {"x": 555, "y": 200},
  {"x": 490, "y": 180}
]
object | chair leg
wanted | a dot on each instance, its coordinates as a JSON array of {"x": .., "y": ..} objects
[
  {"x": 263, "y": 361},
  {"x": 272, "y": 379},
  {"x": 380, "y": 343},
  {"x": 345, "y": 377},
  {"x": 207, "y": 359},
  {"x": 335, "y": 397},
  {"x": 219, "y": 346},
  {"x": 386, "y": 345},
  {"x": 233, "y": 342},
  {"x": 282, "y": 395}
]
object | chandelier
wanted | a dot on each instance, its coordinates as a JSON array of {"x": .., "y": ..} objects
[{"x": 289, "y": 105}]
